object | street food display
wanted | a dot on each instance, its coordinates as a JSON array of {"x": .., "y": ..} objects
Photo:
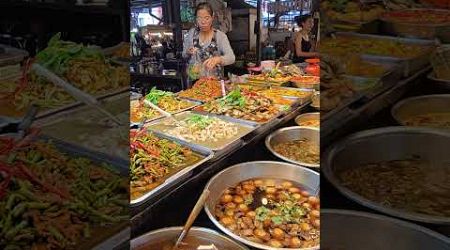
[
  {"x": 418, "y": 16},
  {"x": 205, "y": 90},
  {"x": 140, "y": 112},
  {"x": 167, "y": 101},
  {"x": 243, "y": 104},
  {"x": 51, "y": 199},
  {"x": 345, "y": 45},
  {"x": 273, "y": 212},
  {"x": 153, "y": 159},
  {"x": 84, "y": 67},
  {"x": 351, "y": 11},
  {"x": 419, "y": 186},
  {"x": 301, "y": 150}
]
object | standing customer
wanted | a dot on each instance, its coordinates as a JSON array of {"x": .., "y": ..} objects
[
  {"x": 206, "y": 44},
  {"x": 303, "y": 44}
]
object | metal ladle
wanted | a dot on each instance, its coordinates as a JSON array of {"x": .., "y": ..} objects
[{"x": 194, "y": 213}]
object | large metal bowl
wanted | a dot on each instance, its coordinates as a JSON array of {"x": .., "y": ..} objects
[
  {"x": 308, "y": 179},
  {"x": 290, "y": 134},
  {"x": 307, "y": 117},
  {"x": 171, "y": 234},
  {"x": 420, "y": 105},
  {"x": 386, "y": 144},
  {"x": 343, "y": 229}
]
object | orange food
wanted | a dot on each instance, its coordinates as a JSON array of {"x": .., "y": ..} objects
[{"x": 205, "y": 90}]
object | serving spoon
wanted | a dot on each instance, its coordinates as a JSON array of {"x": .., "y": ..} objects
[
  {"x": 163, "y": 112},
  {"x": 192, "y": 216}
]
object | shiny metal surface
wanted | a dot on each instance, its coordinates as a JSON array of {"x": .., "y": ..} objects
[
  {"x": 242, "y": 130},
  {"x": 290, "y": 134},
  {"x": 171, "y": 233},
  {"x": 441, "y": 82},
  {"x": 308, "y": 179},
  {"x": 345, "y": 229},
  {"x": 307, "y": 117},
  {"x": 425, "y": 30},
  {"x": 179, "y": 176},
  {"x": 420, "y": 105},
  {"x": 385, "y": 144}
]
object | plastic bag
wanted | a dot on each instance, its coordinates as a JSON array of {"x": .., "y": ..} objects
[{"x": 195, "y": 67}]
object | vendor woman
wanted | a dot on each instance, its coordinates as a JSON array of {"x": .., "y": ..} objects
[
  {"x": 206, "y": 45},
  {"x": 304, "y": 48}
]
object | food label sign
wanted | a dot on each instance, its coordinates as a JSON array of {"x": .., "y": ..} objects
[{"x": 286, "y": 6}]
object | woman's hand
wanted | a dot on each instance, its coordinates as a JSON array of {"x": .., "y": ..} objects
[{"x": 212, "y": 62}]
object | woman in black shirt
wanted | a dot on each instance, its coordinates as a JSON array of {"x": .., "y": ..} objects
[{"x": 303, "y": 44}]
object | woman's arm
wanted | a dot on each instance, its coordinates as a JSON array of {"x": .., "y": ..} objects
[
  {"x": 223, "y": 43},
  {"x": 298, "y": 49}
]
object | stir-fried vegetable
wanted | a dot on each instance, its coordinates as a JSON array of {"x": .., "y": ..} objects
[
  {"x": 50, "y": 200},
  {"x": 205, "y": 89},
  {"x": 140, "y": 112},
  {"x": 243, "y": 104},
  {"x": 153, "y": 159},
  {"x": 167, "y": 101}
]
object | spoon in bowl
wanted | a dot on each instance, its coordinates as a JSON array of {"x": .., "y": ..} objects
[{"x": 194, "y": 213}]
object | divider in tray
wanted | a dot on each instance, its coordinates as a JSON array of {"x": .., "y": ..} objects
[
  {"x": 167, "y": 126},
  {"x": 172, "y": 176},
  {"x": 100, "y": 235}
]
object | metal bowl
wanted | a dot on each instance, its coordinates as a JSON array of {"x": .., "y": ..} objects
[
  {"x": 344, "y": 229},
  {"x": 308, "y": 179},
  {"x": 420, "y": 105},
  {"x": 290, "y": 134},
  {"x": 171, "y": 233},
  {"x": 307, "y": 117},
  {"x": 385, "y": 144}
]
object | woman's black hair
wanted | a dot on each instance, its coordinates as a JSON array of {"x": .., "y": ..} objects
[
  {"x": 204, "y": 6},
  {"x": 302, "y": 19}
]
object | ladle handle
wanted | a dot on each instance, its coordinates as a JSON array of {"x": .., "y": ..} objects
[{"x": 194, "y": 213}]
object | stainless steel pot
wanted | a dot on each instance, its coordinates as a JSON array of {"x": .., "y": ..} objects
[
  {"x": 420, "y": 105},
  {"x": 344, "y": 229},
  {"x": 290, "y": 134},
  {"x": 386, "y": 144},
  {"x": 171, "y": 233},
  {"x": 307, "y": 117},
  {"x": 309, "y": 179}
]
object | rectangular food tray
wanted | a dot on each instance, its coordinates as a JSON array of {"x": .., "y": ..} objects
[
  {"x": 117, "y": 235},
  {"x": 177, "y": 177},
  {"x": 410, "y": 65},
  {"x": 244, "y": 128}
]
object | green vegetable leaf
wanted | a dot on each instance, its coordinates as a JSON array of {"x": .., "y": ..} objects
[
  {"x": 262, "y": 213},
  {"x": 277, "y": 220}
]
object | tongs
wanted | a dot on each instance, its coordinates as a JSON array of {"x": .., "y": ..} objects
[{"x": 163, "y": 112}]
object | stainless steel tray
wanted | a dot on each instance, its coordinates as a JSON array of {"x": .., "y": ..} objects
[
  {"x": 117, "y": 233},
  {"x": 76, "y": 104},
  {"x": 423, "y": 30},
  {"x": 410, "y": 65},
  {"x": 177, "y": 177},
  {"x": 59, "y": 121},
  {"x": 243, "y": 129},
  {"x": 280, "y": 113}
]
